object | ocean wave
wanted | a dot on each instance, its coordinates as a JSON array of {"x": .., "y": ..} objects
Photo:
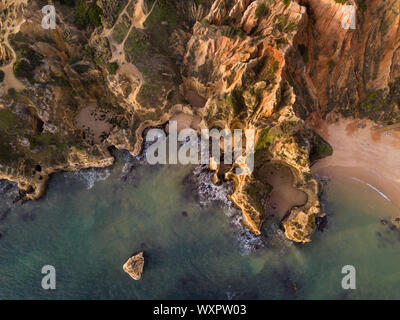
[
  {"x": 372, "y": 187},
  {"x": 128, "y": 160},
  {"x": 8, "y": 193},
  {"x": 209, "y": 192},
  {"x": 89, "y": 176}
]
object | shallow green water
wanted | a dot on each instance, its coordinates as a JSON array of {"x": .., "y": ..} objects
[{"x": 191, "y": 251}]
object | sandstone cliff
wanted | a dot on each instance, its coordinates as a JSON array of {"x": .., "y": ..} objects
[
  {"x": 111, "y": 69},
  {"x": 354, "y": 72}
]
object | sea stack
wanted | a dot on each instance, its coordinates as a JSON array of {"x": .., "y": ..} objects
[{"x": 134, "y": 266}]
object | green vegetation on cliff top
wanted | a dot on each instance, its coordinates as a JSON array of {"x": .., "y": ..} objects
[
  {"x": 269, "y": 135},
  {"x": 121, "y": 29},
  {"x": 27, "y": 60},
  {"x": 87, "y": 15}
]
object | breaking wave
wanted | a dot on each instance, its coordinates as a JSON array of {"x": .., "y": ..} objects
[
  {"x": 373, "y": 188},
  {"x": 209, "y": 192},
  {"x": 89, "y": 176}
]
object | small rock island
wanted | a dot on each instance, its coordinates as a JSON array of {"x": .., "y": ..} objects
[{"x": 134, "y": 266}]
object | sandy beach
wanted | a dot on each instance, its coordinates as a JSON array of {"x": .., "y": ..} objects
[
  {"x": 363, "y": 152},
  {"x": 283, "y": 196},
  {"x": 94, "y": 122}
]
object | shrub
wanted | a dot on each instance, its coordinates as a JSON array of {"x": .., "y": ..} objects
[
  {"x": 94, "y": 15},
  {"x": 70, "y": 3},
  {"x": 12, "y": 92},
  {"x": 27, "y": 61},
  {"x": 261, "y": 9},
  {"x": 287, "y": 2},
  {"x": 87, "y": 16},
  {"x": 304, "y": 52},
  {"x": 205, "y": 23},
  {"x": 81, "y": 19},
  {"x": 235, "y": 101},
  {"x": 331, "y": 65},
  {"x": 320, "y": 149},
  {"x": 112, "y": 67},
  {"x": 362, "y": 5}
]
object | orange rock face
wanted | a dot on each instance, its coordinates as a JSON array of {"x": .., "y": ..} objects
[
  {"x": 248, "y": 64},
  {"x": 347, "y": 70}
]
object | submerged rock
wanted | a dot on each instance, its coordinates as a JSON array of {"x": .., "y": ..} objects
[
  {"x": 134, "y": 266},
  {"x": 396, "y": 222},
  {"x": 321, "y": 223}
]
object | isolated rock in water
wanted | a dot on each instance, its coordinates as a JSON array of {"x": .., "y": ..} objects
[{"x": 134, "y": 266}]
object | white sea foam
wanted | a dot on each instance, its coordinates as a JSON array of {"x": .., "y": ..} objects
[
  {"x": 126, "y": 167},
  {"x": 127, "y": 160},
  {"x": 209, "y": 192},
  {"x": 230, "y": 295},
  {"x": 90, "y": 176},
  {"x": 372, "y": 187},
  {"x": 8, "y": 192}
]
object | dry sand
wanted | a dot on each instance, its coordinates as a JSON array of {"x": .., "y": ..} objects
[
  {"x": 363, "y": 152},
  {"x": 10, "y": 81},
  {"x": 185, "y": 121},
  {"x": 94, "y": 123},
  {"x": 283, "y": 196}
]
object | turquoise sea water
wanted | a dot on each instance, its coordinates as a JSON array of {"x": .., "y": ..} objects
[{"x": 90, "y": 223}]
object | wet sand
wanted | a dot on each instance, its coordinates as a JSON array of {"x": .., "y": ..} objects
[
  {"x": 363, "y": 152},
  {"x": 283, "y": 196}
]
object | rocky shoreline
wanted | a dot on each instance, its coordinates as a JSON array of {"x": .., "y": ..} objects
[{"x": 136, "y": 64}]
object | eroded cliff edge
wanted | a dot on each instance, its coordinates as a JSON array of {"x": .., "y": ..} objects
[{"x": 113, "y": 68}]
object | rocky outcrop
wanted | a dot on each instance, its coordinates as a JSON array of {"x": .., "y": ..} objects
[
  {"x": 38, "y": 128},
  {"x": 243, "y": 64},
  {"x": 134, "y": 266},
  {"x": 234, "y": 62},
  {"x": 355, "y": 72},
  {"x": 224, "y": 67},
  {"x": 11, "y": 18},
  {"x": 396, "y": 222}
]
